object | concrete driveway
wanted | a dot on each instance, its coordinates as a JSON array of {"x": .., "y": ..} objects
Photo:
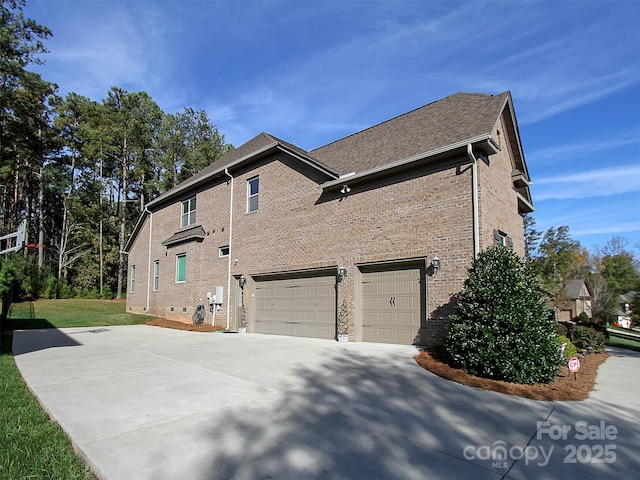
[{"x": 143, "y": 402}]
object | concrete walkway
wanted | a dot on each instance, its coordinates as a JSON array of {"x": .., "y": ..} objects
[{"x": 143, "y": 402}]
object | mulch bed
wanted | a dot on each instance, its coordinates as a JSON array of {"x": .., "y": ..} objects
[
  {"x": 565, "y": 388},
  {"x": 192, "y": 327}
]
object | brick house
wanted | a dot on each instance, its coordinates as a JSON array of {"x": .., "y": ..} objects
[
  {"x": 573, "y": 299},
  {"x": 371, "y": 235}
]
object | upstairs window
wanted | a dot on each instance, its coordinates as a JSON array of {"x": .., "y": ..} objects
[
  {"x": 253, "y": 189},
  {"x": 188, "y": 216}
]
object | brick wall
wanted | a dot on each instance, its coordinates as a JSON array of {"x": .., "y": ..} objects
[{"x": 424, "y": 212}]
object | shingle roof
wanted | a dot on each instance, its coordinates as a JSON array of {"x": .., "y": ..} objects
[
  {"x": 574, "y": 288},
  {"x": 192, "y": 233},
  {"x": 260, "y": 143},
  {"x": 451, "y": 120}
]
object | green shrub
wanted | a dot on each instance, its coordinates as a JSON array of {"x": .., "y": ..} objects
[
  {"x": 561, "y": 329},
  {"x": 584, "y": 337},
  {"x": 584, "y": 318},
  {"x": 500, "y": 327},
  {"x": 49, "y": 287},
  {"x": 570, "y": 349},
  {"x": 66, "y": 290},
  {"x": 107, "y": 293}
]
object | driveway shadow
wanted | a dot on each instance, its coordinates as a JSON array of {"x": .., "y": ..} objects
[
  {"x": 41, "y": 335},
  {"x": 370, "y": 418}
]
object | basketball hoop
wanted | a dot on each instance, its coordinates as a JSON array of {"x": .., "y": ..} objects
[{"x": 14, "y": 242}]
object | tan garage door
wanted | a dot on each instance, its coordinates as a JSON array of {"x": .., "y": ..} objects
[
  {"x": 301, "y": 307},
  {"x": 565, "y": 315},
  {"x": 391, "y": 306}
]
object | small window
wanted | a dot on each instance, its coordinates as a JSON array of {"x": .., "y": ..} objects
[
  {"x": 156, "y": 275},
  {"x": 223, "y": 251},
  {"x": 181, "y": 268},
  {"x": 253, "y": 188},
  {"x": 132, "y": 280},
  {"x": 501, "y": 238},
  {"x": 188, "y": 216}
]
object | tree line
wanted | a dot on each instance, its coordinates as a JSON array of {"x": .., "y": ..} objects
[
  {"x": 80, "y": 171},
  {"x": 609, "y": 271}
]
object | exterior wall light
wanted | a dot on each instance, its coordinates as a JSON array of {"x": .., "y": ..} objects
[
  {"x": 436, "y": 263},
  {"x": 342, "y": 274},
  {"x": 242, "y": 281},
  {"x": 345, "y": 189}
]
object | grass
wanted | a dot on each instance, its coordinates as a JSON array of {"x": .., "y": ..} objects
[
  {"x": 72, "y": 313},
  {"x": 623, "y": 343},
  {"x": 32, "y": 446}
]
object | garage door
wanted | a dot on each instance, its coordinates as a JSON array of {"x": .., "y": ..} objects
[
  {"x": 565, "y": 315},
  {"x": 391, "y": 306},
  {"x": 302, "y": 307}
]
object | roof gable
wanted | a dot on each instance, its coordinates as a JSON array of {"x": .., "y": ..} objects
[
  {"x": 260, "y": 145},
  {"x": 577, "y": 289}
]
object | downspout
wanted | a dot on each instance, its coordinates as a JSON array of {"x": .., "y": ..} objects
[
  {"x": 149, "y": 257},
  {"x": 226, "y": 171},
  {"x": 474, "y": 200}
]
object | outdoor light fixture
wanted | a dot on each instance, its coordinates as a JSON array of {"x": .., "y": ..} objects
[
  {"x": 436, "y": 264},
  {"x": 342, "y": 274},
  {"x": 242, "y": 281},
  {"x": 345, "y": 189}
]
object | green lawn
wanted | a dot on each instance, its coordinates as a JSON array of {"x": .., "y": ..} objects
[
  {"x": 615, "y": 341},
  {"x": 31, "y": 445}
]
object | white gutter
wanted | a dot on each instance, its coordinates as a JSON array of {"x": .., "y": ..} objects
[
  {"x": 226, "y": 171},
  {"x": 149, "y": 257},
  {"x": 387, "y": 166},
  {"x": 474, "y": 200}
]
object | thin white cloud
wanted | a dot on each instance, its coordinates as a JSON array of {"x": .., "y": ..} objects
[
  {"x": 581, "y": 149},
  {"x": 97, "y": 45},
  {"x": 593, "y": 183},
  {"x": 598, "y": 229},
  {"x": 592, "y": 222}
]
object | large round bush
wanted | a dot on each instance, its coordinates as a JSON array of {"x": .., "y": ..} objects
[{"x": 500, "y": 328}]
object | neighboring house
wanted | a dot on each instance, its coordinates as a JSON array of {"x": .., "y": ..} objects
[
  {"x": 623, "y": 314},
  {"x": 288, "y": 236},
  {"x": 575, "y": 299}
]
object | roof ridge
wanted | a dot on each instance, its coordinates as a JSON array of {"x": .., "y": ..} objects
[{"x": 489, "y": 95}]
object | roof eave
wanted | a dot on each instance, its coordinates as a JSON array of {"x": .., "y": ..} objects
[
  {"x": 135, "y": 232},
  {"x": 187, "y": 185},
  {"x": 482, "y": 140},
  {"x": 524, "y": 205},
  {"x": 270, "y": 148}
]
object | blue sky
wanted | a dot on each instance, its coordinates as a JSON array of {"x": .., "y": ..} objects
[{"x": 313, "y": 71}]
